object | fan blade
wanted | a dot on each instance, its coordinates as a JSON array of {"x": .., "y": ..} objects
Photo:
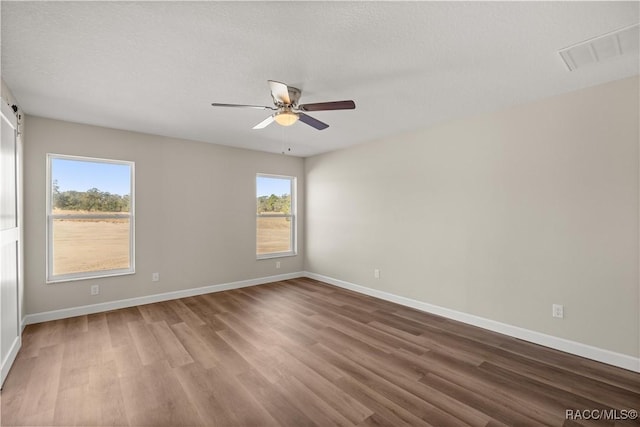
[
  {"x": 259, "y": 107},
  {"x": 312, "y": 122},
  {"x": 279, "y": 92},
  {"x": 322, "y": 106},
  {"x": 263, "y": 124}
]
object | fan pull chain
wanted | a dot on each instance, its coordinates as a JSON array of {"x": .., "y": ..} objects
[{"x": 282, "y": 150}]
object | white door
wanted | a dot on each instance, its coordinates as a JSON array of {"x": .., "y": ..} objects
[{"x": 10, "y": 239}]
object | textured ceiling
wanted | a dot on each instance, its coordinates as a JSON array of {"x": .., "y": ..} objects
[{"x": 155, "y": 67}]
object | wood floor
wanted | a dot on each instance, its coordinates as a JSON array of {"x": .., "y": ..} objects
[{"x": 296, "y": 353}]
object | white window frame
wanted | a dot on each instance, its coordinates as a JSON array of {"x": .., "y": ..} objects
[
  {"x": 293, "y": 217},
  {"x": 51, "y": 278}
]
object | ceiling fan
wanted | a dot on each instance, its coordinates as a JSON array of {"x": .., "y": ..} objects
[{"x": 287, "y": 110}]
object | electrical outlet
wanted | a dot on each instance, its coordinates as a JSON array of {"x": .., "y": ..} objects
[
  {"x": 155, "y": 277},
  {"x": 557, "y": 310},
  {"x": 277, "y": 264},
  {"x": 376, "y": 273},
  {"x": 95, "y": 289}
]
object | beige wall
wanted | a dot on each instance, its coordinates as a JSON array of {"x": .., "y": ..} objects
[
  {"x": 195, "y": 212},
  {"x": 498, "y": 216}
]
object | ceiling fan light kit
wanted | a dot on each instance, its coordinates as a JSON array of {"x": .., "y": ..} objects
[
  {"x": 286, "y": 118},
  {"x": 287, "y": 111}
]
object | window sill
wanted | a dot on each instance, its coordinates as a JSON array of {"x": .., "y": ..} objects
[
  {"x": 276, "y": 255},
  {"x": 75, "y": 277}
]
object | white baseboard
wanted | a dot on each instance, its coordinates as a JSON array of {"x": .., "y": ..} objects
[
  {"x": 573, "y": 347},
  {"x": 11, "y": 357},
  {"x": 149, "y": 299}
]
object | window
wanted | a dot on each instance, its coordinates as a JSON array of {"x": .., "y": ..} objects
[
  {"x": 275, "y": 222},
  {"x": 90, "y": 221}
]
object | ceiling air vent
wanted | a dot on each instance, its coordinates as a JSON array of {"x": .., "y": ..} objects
[{"x": 602, "y": 48}]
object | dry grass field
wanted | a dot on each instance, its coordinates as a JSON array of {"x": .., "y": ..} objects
[
  {"x": 273, "y": 235},
  {"x": 90, "y": 245},
  {"x": 82, "y": 245}
]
